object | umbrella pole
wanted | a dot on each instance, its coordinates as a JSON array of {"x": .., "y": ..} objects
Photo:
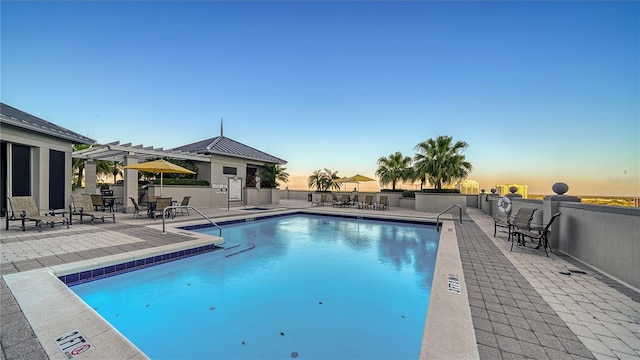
[{"x": 161, "y": 183}]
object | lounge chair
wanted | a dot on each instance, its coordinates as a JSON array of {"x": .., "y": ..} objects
[
  {"x": 542, "y": 237},
  {"x": 185, "y": 202},
  {"x": 137, "y": 208},
  {"x": 322, "y": 201},
  {"x": 521, "y": 220},
  {"x": 24, "y": 208},
  {"x": 367, "y": 203},
  {"x": 383, "y": 202},
  {"x": 342, "y": 201},
  {"x": 82, "y": 206},
  {"x": 161, "y": 204}
]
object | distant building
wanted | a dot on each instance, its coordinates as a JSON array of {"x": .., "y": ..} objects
[
  {"x": 468, "y": 187},
  {"x": 504, "y": 189}
]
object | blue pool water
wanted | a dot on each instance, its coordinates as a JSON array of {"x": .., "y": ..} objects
[{"x": 312, "y": 287}]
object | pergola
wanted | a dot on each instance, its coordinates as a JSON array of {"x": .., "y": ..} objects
[
  {"x": 128, "y": 155},
  {"x": 120, "y": 152}
]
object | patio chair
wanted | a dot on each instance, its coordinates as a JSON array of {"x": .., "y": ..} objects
[
  {"x": 82, "y": 206},
  {"x": 161, "y": 204},
  {"x": 367, "y": 203},
  {"x": 383, "y": 202},
  {"x": 185, "y": 202},
  {"x": 521, "y": 220},
  {"x": 342, "y": 201},
  {"x": 354, "y": 201},
  {"x": 322, "y": 201},
  {"x": 137, "y": 208},
  {"x": 542, "y": 237},
  {"x": 97, "y": 202},
  {"x": 24, "y": 208}
]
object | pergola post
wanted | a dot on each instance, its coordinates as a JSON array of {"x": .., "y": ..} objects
[
  {"x": 90, "y": 176},
  {"x": 130, "y": 183}
]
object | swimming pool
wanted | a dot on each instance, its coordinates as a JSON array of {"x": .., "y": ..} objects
[{"x": 313, "y": 286}]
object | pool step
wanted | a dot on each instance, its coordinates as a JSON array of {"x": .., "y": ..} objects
[{"x": 237, "y": 249}]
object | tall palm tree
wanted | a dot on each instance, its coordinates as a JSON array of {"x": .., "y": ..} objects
[
  {"x": 439, "y": 161},
  {"x": 273, "y": 173},
  {"x": 393, "y": 168}
]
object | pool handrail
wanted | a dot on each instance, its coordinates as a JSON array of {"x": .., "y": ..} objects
[
  {"x": 444, "y": 211},
  {"x": 165, "y": 211}
]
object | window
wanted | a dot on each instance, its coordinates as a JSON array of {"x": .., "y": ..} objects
[{"x": 227, "y": 170}]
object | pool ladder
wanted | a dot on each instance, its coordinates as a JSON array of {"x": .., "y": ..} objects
[
  {"x": 444, "y": 211},
  {"x": 166, "y": 211}
]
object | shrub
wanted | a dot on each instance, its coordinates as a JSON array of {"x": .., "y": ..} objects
[
  {"x": 196, "y": 182},
  {"x": 441, "y": 191},
  {"x": 409, "y": 194}
]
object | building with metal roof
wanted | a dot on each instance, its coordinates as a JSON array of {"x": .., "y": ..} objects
[{"x": 36, "y": 158}]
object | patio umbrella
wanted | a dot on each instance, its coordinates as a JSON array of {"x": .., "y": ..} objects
[
  {"x": 159, "y": 166},
  {"x": 356, "y": 179}
]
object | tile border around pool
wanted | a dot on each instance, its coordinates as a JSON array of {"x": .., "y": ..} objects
[{"x": 65, "y": 311}]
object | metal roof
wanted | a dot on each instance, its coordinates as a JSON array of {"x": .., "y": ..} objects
[
  {"x": 18, "y": 118},
  {"x": 116, "y": 152},
  {"x": 221, "y": 145}
]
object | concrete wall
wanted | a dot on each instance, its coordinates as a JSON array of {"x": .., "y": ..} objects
[
  {"x": 408, "y": 203},
  {"x": 472, "y": 201},
  {"x": 605, "y": 237},
  {"x": 436, "y": 203}
]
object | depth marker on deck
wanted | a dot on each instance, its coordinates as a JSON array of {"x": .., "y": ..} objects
[{"x": 454, "y": 284}]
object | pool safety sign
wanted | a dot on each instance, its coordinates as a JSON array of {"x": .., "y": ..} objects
[
  {"x": 454, "y": 283},
  {"x": 73, "y": 344}
]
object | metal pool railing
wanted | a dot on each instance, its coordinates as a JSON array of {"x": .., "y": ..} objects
[
  {"x": 444, "y": 211},
  {"x": 166, "y": 211}
]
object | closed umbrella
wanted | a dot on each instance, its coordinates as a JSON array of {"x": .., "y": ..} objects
[{"x": 159, "y": 166}]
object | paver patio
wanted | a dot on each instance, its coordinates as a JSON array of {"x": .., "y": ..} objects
[{"x": 521, "y": 306}]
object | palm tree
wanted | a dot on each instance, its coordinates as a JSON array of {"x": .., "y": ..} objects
[
  {"x": 330, "y": 180},
  {"x": 393, "y": 168},
  {"x": 104, "y": 167},
  {"x": 116, "y": 170},
  {"x": 273, "y": 173},
  {"x": 324, "y": 180},
  {"x": 315, "y": 180},
  {"x": 78, "y": 165},
  {"x": 439, "y": 161}
]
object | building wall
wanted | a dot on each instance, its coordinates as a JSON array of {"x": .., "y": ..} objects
[{"x": 40, "y": 146}]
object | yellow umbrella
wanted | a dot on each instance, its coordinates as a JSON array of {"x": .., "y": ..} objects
[
  {"x": 356, "y": 179},
  {"x": 159, "y": 166}
]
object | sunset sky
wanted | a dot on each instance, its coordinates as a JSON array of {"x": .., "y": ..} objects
[{"x": 541, "y": 91}]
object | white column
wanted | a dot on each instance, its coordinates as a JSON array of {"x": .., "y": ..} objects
[
  {"x": 90, "y": 176},
  {"x": 130, "y": 184}
]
